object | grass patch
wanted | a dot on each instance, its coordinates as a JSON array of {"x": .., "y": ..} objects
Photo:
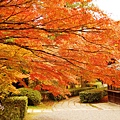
[
  {"x": 43, "y": 105},
  {"x": 30, "y": 116}
]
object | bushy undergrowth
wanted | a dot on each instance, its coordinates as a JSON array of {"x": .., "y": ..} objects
[
  {"x": 34, "y": 96},
  {"x": 75, "y": 91},
  {"x": 93, "y": 95},
  {"x": 13, "y": 108},
  {"x": 56, "y": 98}
]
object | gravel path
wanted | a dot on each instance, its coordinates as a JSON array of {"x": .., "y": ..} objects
[{"x": 71, "y": 109}]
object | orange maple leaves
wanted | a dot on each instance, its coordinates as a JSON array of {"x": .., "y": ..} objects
[{"x": 63, "y": 41}]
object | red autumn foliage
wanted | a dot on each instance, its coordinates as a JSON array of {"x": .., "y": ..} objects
[{"x": 57, "y": 40}]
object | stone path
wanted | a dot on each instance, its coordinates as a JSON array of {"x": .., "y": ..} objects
[{"x": 72, "y": 109}]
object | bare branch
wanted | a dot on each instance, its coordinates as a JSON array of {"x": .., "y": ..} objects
[{"x": 3, "y": 59}]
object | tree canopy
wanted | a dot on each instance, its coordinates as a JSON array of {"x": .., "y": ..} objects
[{"x": 53, "y": 41}]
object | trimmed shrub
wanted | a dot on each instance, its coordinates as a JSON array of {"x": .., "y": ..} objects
[
  {"x": 103, "y": 91},
  {"x": 34, "y": 96},
  {"x": 14, "y": 108},
  {"x": 75, "y": 91},
  {"x": 92, "y": 95},
  {"x": 89, "y": 96},
  {"x": 56, "y": 98}
]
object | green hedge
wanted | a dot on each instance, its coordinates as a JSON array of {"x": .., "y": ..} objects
[
  {"x": 13, "y": 108},
  {"x": 75, "y": 91},
  {"x": 103, "y": 91},
  {"x": 56, "y": 98},
  {"x": 92, "y": 95},
  {"x": 49, "y": 95},
  {"x": 34, "y": 96}
]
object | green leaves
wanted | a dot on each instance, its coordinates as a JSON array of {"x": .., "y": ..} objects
[
  {"x": 9, "y": 39},
  {"x": 83, "y": 4},
  {"x": 74, "y": 5}
]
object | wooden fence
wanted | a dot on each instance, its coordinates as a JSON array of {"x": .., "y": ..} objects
[{"x": 113, "y": 94}]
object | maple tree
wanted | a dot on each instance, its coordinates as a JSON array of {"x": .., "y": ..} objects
[{"x": 54, "y": 41}]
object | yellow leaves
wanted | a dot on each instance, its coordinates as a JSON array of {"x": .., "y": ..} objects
[
  {"x": 20, "y": 75},
  {"x": 12, "y": 89},
  {"x": 6, "y": 79},
  {"x": 12, "y": 50},
  {"x": 115, "y": 45}
]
